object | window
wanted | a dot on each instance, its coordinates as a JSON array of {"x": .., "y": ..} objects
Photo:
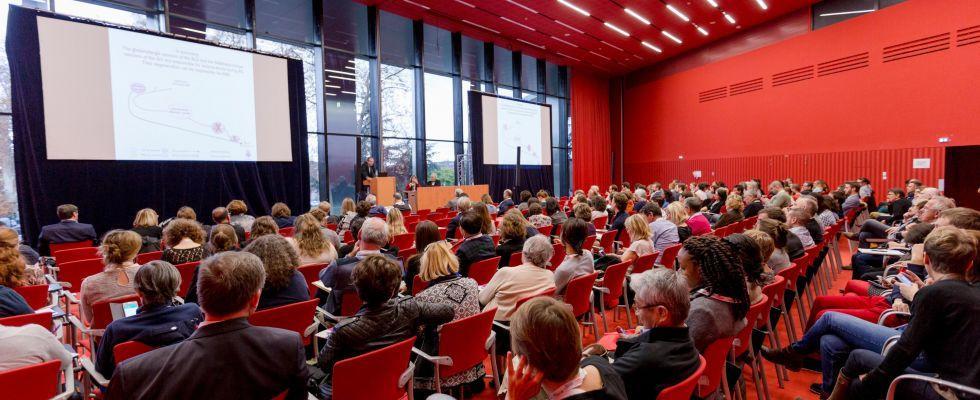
[
  {"x": 341, "y": 169},
  {"x": 503, "y": 66},
  {"x": 397, "y": 40},
  {"x": 398, "y": 101},
  {"x": 467, "y": 86},
  {"x": 529, "y": 73},
  {"x": 8, "y": 180},
  {"x": 306, "y": 55},
  {"x": 287, "y": 19},
  {"x": 313, "y": 147},
  {"x": 200, "y": 30},
  {"x": 440, "y": 159},
  {"x": 346, "y": 91},
  {"x": 439, "y": 121},
  {"x": 505, "y": 91},
  {"x": 104, "y": 13},
  {"x": 552, "y": 77},
  {"x": 398, "y": 157},
  {"x": 345, "y": 27},
  {"x": 225, "y": 12},
  {"x": 471, "y": 59},
  {"x": 438, "y": 52}
]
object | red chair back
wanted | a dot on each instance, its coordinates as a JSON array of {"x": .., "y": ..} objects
[
  {"x": 75, "y": 254},
  {"x": 350, "y": 303},
  {"x": 442, "y": 210},
  {"x": 129, "y": 349},
  {"x": 743, "y": 338},
  {"x": 443, "y": 232},
  {"x": 56, "y": 247},
  {"x": 644, "y": 263},
  {"x": 670, "y": 254},
  {"x": 614, "y": 279},
  {"x": 556, "y": 230},
  {"x": 406, "y": 253},
  {"x": 35, "y": 295},
  {"x": 557, "y": 256},
  {"x": 464, "y": 340},
  {"x": 373, "y": 376},
  {"x": 287, "y": 232},
  {"x": 715, "y": 356},
  {"x": 589, "y": 242},
  {"x": 625, "y": 240},
  {"x": 43, "y": 319},
  {"x": 496, "y": 239},
  {"x": 423, "y": 213},
  {"x": 348, "y": 237},
  {"x": 684, "y": 389},
  {"x": 311, "y": 272},
  {"x": 578, "y": 293},
  {"x": 546, "y": 293},
  {"x": 294, "y": 317},
  {"x": 791, "y": 274},
  {"x": 74, "y": 272},
  {"x": 102, "y": 314},
  {"x": 186, "y": 271},
  {"x": 482, "y": 271},
  {"x": 418, "y": 285},
  {"x": 516, "y": 258},
  {"x": 32, "y": 382},
  {"x": 404, "y": 240},
  {"x": 774, "y": 291},
  {"x": 147, "y": 257},
  {"x": 606, "y": 241},
  {"x": 443, "y": 223},
  {"x": 411, "y": 218},
  {"x": 545, "y": 230},
  {"x": 600, "y": 223}
]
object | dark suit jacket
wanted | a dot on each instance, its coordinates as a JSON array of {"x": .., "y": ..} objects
[
  {"x": 368, "y": 171},
  {"x": 752, "y": 209},
  {"x": 227, "y": 360},
  {"x": 154, "y": 325},
  {"x": 433, "y": 183},
  {"x": 473, "y": 250},
  {"x": 504, "y": 205},
  {"x": 337, "y": 277},
  {"x": 453, "y": 226},
  {"x": 66, "y": 231},
  {"x": 654, "y": 360}
]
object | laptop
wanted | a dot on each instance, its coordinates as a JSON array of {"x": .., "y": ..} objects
[{"x": 123, "y": 310}]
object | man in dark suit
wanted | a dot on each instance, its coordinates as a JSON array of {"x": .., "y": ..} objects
[
  {"x": 226, "y": 358},
  {"x": 506, "y": 203},
  {"x": 365, "y": 172},
  {"x": 67, "y": 231},
  {"x": 372, "y": 236},
  {"x": 220, "y": 216},
  {"x": 753, "y": 204},
  {"x": 433, "y": 180}
]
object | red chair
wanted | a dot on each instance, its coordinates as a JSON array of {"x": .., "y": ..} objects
[
  {"x": 496, "y": 239},
  {"x": 600, "y": 223},
  {"x": 545, "y": 230},
  {"x": 411, "y": 218},
  {"x": 406, "y": 253},
  {"x": 75, "y": 254},
  {"x": 443, "y": 232},
  {"x": 442, "y": 223},
  {"x": 589, "y": 242},
  {"x": 35, "y": 295},
  {"x": 644, "y": 263},
  {"x": 126, "y": 350},
  {"x": 714, "y": 374},
  {"x": 296, "y": 317},
  {"x": 350, "y": 303},
  {"x": 311, "y": 272},
  {"x": 383, "y": 374},
  {"x": 186, "y": 271},
  {"x": 43, "y": 319},
  {"x": 404, "y": 240},
  {"x": 348, "y": 237},
  {"x": 578, "y": 294},
  {"x": 56, "y": 247},
  {"x": 624, "y": 241},
  {"x": 606, "y": 241},
  {"x": 611, "y": 289},
  {"x": 332, "y": 227},
  {"x": 684, "y": 390},
  {"x": 556, "y": 230},
  {"x": 670, "y": 254},
  {"x": 423, "y": 213},
  {"x": 546, "y": 293},
  {"x": 791, "y": 274},
  {"x": 72, "y": 273},
  {"x": 418, "y": 285},
  {"x": 147, "y": 257},
  {"x": 743, "y": 345},
  {"x": 464, "y": 344},
  {"x": 442, "y": 210},
  {"x": 516, "y": 258},
  {"x": 557, "y": 256},
  {"x": 287, "y": 232},
  {"x": 34, "y": 382},
  {"x": 482, "y": 271}
]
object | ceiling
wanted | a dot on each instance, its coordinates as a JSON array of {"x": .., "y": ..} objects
[{"x": 554, "y": 30}]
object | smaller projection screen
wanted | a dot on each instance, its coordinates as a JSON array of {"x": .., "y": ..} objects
[{"x": 509, "y": 124}]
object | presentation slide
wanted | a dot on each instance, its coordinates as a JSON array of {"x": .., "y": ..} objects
[
  {"x": 135, "y": 96},
  {"x": 509, "y": 124}
]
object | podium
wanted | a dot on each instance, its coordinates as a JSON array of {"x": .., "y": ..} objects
[
  {"x": 382, "y": 187},
  {"x": 433, "y": 197}
]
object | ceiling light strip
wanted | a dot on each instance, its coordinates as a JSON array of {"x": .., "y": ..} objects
[
  {"x": 678, "y": 13},
  {"x": 565, "y": 42},
  {"x": 523, "y": 6},
  {"x": 652, "y": 47},
  {"x": 731, "y": 20},
  {"x": 567, "y": 56},
  {"x": 532, "y": 44},
  {"x": 713, "y": 3},
  {"x": 480, "y": 26},
  {"x": 417, "y": 4},
  {"x": 574, "y": 7},
  {"x": 616, "y": 28},
  {"x": 671, "y": 37},
  {"x": 569, "y": 27},
  {"x": 600, "y": 55},
  {"x": 762, "y": 4},
  {"x": 518, "y": 23},
  {"x": 465, "y": 3},
  {"x": 637, "y": 16},
  {"x": 702, "y": 30},
  {"x": 836, "y": 13},
  {"x": 611, "y": 45}
]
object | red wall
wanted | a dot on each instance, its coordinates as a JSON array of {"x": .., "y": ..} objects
[
  {"x": 591, "y": 142},
  {"x": 837, "y": 103}
]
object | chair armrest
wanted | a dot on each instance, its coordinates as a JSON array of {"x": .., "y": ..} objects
[
  {"x": 71, "y": 297},
  {"x": 502, "y": 326},
  {"x": 889, "y": 343},
  {"x": 50, "y": 278},
  {"x": 884, "y": 316},
  {"x": 90, "y": 371},
  {"x": 333, "y": 319},
  {"x": 441, "y": 360},
  {"x": 319, "y": 285},
  {"x": 84, "y": 329},
  {"x": 929, "y": 379},
  {"x": 601, "y": 289},
  {"x": 491, "y": 341},
  {"x": 405, "y": 379},
  {"x": 311, "y": 329}
]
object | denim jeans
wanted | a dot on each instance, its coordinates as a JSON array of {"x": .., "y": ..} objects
[
  {"x": 836, "y": 335},
  {"x": 862, "y": 361}
]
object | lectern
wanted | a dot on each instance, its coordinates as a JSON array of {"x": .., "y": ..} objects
[{"x": 382, "y": 187}]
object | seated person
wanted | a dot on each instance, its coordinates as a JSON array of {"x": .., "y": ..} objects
[
  {"x": 547, "y": 343},
  {"x": 69, "y": 230},
  {"x": 554, "y": 212},
  {"x": 676, "y": 213},
  {"x": 309, "y": 242},
  {"x": 239, "y": 215},
  {"x": 797, "y": 220},
  {"x": 719, "y": 299},
  {"x": 185, "y": 242},
  {"x": 119, "y": 249},
  {"x": 475, "y": 246},
  {"x": 826, "y": 214},
  {"x": 12, "y": 275},
  {"x": 663, "y": 233},
  {"x": 147, "y": 225},
  {"x": 697, "y": 221},
  {"x": 733, "y": 211},
  {"x": 506, "y": 203},
  {"x": 284, "y": 284},
  {"x": 462, "y": 205},
  {"x": 618, "y": 222},
  {"x": 221, "y": 359},
  {"x": 512, "y": 236},
  {"x": 282, "y": 215},
  {"x": 22, "y": 346},
  {"x": 808, "y": 204},
  {"x": 372, "y": 236},
  {"x": 487, "y": 221},
  {"x": 221, "y": 216},
  {"x": 382, "y": 320},
  {"x": 757, "y": 274},
  {"x": 262, "y": 226},
  {"x": 779, "y": 236},
  {"x": 792, "y": 245},
  {"x": 578, "y": 261},
  {"x": 426, "y": 233},
  {"x": 222, "y": 238},
  {"x": 639, "y": 234},
  {"x": 583, "y": 212},
  {"x": 662, "y": 353},
  {"x": 160, "y": 321},
  {"x": 535, "y": 214}
]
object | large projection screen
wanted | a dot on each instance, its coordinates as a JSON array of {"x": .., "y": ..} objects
[
  {"x": 509, "y": 124},
  {"x": 114, "y": 94}
]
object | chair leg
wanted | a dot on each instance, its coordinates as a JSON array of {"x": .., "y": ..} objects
[
  {"x": 790, "y": 328},
  {"x": 762, "y": 375},
  {"x": 602, "y": 312},
  {"x": 595, "y": 326},
  {"x": 494, "y": 368},
  {"x": 724, "y": 382},
  {"x": 802, "y": 315},
  {"x": 775, "y": 342},
  {"x": 629, "y": 311}
]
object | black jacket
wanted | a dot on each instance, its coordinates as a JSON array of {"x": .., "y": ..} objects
[
  {"x": 506, "y": 249},
  {"x": 752, "y": 209},
  {"x": 473, "y": 250},
  {"x": 453, "y": 226},
  {"x": 155, "y": 325},
  {"x": 655, "y": 360},
  {"x": 226, "y": 360},
  {"x": 728, "y": 218},
  {"x": 504, "y": 205},
  {"x": 367, "y": 171},
  {"x": 897, "y": 209},
  {"x": 66, "y": 231}
]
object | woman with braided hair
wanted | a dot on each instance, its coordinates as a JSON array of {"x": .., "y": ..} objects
[{"x": 719, "y": 299}]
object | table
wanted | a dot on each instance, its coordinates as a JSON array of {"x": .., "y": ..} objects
[{"x": 433, "y": 197}]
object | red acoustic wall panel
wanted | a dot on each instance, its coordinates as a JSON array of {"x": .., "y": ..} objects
[
  {"x": 858, "y": 98},
  {"x": 591, "y": 145}
]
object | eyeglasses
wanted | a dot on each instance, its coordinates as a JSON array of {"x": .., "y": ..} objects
[{"x": 639, "y": 307}]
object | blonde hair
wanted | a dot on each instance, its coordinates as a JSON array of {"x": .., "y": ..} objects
[
  {"x": 119, "y": 246},
  {"x": 348, "y": 206},
  {"x": 396, "y": 224},
  {"x": 309, "y": 238},
  {"x": 734, "y": 203},
  {"x": 676, "y": 212},
  {"x": 636, "y": 226},
  {"x": 237, "y": 207},
  {"x": 512, "y": 227},
  {"x": 146, "y": 217},
  {"x": 766, "y": 245},
  {"x": 437, "y": 261}
]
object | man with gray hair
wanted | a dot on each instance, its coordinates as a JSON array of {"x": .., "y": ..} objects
[
  {"x": 371, "y": 238},
  {"x": 641, "y": 199},
  {"x": 753, "y": 202},
  {"x": 663, "y": 353},
  {"x": 372, "y": 199},
  {"x": 400, "y": 204},
  {"x": 462, "y": 205},
  {"x": 221, "y": 360}
]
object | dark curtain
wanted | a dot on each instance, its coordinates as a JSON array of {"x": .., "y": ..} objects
[
  {"x": 500, "y": 177},
  {"x": 109, "y": 193}
]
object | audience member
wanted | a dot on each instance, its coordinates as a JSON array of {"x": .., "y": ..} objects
[
  {"x": 118, "y": 250},
  {"x": 488, "y": 201},
  {"x": 583, "y": 212},
  {"x": 757, "y": 275},
  {"x": 22, "y": 346},
  {"x": 557, "y": 216},
  {"x": 475, "y": 245},
  {"x": 578, "y": 261},
  {"x": 618, "y": 221},
  {"x": 536, "y": 217},
  {"x": 826, "y": 211},
  {"x": 512, "y": 236},
  {"x": 69, "y": 230},
  {"x": 12, "y": 275},
  {"x": 284, "y": 284},
  {"x": 147, "y": 225},
  {"x": 310, "y": 244},
  {"x": 853, "y": 199},
  {"x": 349, "y": 211},
  {"x": 220, "y": 216},
  {"x": 676, "y": 213},
  {"x": 330, "y": 234},
  {"x": 185, "y": 242},
  {"x": 223, "y": 238},
  {"x": 525, "y": 197},
  {"x": 263, "y": 225},
  {"x": 396, "y": 223},
  {"x": 779, "y": 233},
  {"x": 226, "y": 357},
  {"x": 462, "y": 205},
  {"x": 797, "y": 219},
  {"x": 599, "y": 209},
  {"x": 779, "y": 198},
  {"x": 282, "y": 215},
  {"x": 753, "y": 202},
  {"x": 506, "y": 203},
  {"x": 511, "y": 284},
  {"x": 663, "y": 233},
  {"x": 426, "y": 233},
  {"x": 481, "y": 209},
  {"x": 733, "y": 211},
  {"x": 373, "y": 235},
  {"x": 400, "y": 204},
  {"x": 719, "y": 299},
  {"x": 239, "y": 216}
]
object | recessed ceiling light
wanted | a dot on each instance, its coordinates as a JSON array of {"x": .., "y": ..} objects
[
  {"x": 417, "y": 4},
  {"x": 731, "y": 20},
  {"x": 567, "y": 56},
  {"x": 678, "y": 13},
  {"x": 637, "y": 16},
  {"x": 572, "y": 6},
  {"x": 532, "y": 44},
  {"x": 465, "y": 3},
  {"x": 762, "y": 4},
  {"x": 702, "y": 30},
  {"x": 671, "y": 37},
  {"x": 713, "y": 3},
  {"x": 652, "y": 47},
  {"x": 611, "y": 45},
  {"x": 845, "y": 13},
  {"x": 480, "y": 26},
  {"x": 616, "y": 28}
]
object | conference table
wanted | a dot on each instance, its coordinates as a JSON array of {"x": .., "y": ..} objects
[{"x": 433, "y": 197}]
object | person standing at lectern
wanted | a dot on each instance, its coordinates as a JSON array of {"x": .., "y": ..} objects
[
  {"x": 367, "y": 171},
  {"x": 433, "y": 180}
]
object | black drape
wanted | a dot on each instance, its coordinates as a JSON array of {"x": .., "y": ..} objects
[
  {"x": 500, "y": 177},
  {"x": 109, "y": 193}
]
